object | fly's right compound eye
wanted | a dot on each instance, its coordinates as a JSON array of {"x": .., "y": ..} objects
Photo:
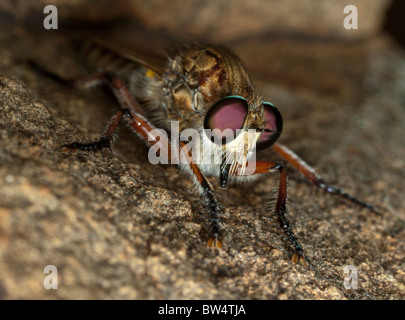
[
  {"x": 273, "y": 125},
  {"x": 225, "y": 118}
]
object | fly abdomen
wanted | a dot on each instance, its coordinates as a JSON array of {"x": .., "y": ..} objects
[{"x": 102, "y": 58}]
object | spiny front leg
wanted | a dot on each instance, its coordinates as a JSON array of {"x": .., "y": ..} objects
[
  {"x": 281, "y": 211},
  {"x": 212, "y": 204},
  {"x": 312, "y": 176},
  {"x": 281, "y": 208}
]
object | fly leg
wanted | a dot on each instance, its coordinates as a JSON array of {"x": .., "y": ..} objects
[
  {"x": 212, "y": 204},
  {"x": 281, "y": 209},
  {"x": 312, "y": 176},
  {"x": 126, "y": 101},
  {"x": 105, "y": 141}
]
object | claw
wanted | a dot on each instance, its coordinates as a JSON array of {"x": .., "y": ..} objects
[
  {"x": 68, "y": 148},
  {"x": 300, "y": 258},
  {"x": 214, "y": 242}
]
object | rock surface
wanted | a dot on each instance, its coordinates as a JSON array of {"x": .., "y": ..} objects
[{"x": 117, "y": 227}]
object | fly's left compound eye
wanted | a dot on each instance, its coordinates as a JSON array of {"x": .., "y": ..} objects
[
  {"x": 225, "y": 118},
  {"x": 273, "y": 125}
]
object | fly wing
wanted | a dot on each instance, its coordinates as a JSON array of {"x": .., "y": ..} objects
[{"x": 110, "y": 57}]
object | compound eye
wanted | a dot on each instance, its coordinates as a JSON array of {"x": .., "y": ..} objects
[
  {"x": 273, "y": 125},
  {"x": 225, "y": 118}
]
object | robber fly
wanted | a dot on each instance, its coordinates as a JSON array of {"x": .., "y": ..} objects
[{"x": 207, "y": 88}]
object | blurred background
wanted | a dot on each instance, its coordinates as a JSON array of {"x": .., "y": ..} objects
[{"x": 296, "y": 40}]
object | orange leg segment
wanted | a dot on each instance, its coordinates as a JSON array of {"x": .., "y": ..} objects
[{"x": 299, "y": 164}]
